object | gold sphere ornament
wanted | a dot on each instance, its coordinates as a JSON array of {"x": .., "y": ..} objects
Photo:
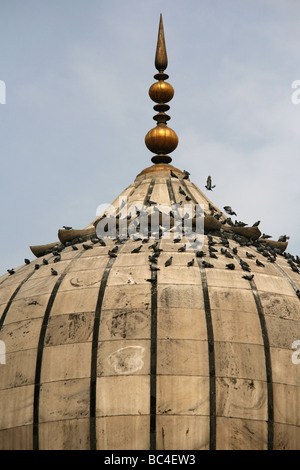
[
  {"x": 161, "y": 92},
  {"x": 161, "y": 139}
]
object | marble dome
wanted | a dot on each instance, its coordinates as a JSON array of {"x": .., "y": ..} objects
[{"x": 152, "y": 342}]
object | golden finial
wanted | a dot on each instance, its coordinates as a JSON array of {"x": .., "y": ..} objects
[
  {"x": 161, "y": 139},
  {"x": 161, "y": 58}
]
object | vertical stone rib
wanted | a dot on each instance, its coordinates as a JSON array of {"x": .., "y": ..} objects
[
  {"x": 268, "y": 365},
  {"x": 93, "y": 385},
  {"x": 211, "y": 360},
  {"x": 40, "y": 350},
  {"x": 267, "y": 353},
  {"x": 153, "y": 360}
]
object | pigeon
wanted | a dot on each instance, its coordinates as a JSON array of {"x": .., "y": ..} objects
[
  {"x": 298, "y": 293},
  {"x": 256, "y": 224},
  {"x": 205, "y": 264},
  {"x": 114, "y": 249},
  {"x": 211, "y": 207},
  {"x": 168, "y": 262},
  {"x": 11, "y": 271},
  {"x": 173, "y": 174},
  {"x": 283, "y": 238},
  {"x": 264, "y": 236},
  {"x": 213, "y": 255},
  {"x": 56, "y": 259},
  {"x": 151, "y": 280},
  {"x": 230, "y": 266},
  {"x": 191, "y": 263},
  {"x": 249, "y": 278},
  {"x": 200, "y": 254},
  {"x": 154, "y": 245},
  {"x": 112, "y": 255},
  {"x": 87, "y": 247},
  {"x": 235, "y": 250},
  {"x": 188, "y": 198},
  {"x": 182, "y": 248},
  {"x": 208, "y": 185},
  {"x": 136, "y": 250},
  {"x": 153, "y": 259},
  {"x": 53, "y": 272},
  {"x": 27, "y": 261},
  {"x": 182, "y": 191},
  {"x": 259, "y": 263},
  {"x": 74, "y": 247},
  {"x": 295, "y": 269},
  {"x": 67, "y": 228},
  {"x": 186, "y": 175},
  {"x": 154, "y": 268},
  {"x": 250, "y": 255},
  {"x": 177, "y": 240},
  {"x": 45, "y": 261},
  {"x": 228, "y": 255},
  {"x": 229, "y": 210},
  {"x": 36, "y": 266}
]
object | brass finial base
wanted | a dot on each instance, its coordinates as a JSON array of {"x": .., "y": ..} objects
[{"x": 161, "y": 159}]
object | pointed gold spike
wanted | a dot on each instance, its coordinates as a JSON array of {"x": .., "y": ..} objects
[{"x": 161, "y": 58}]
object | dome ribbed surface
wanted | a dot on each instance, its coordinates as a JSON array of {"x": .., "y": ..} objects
[{"x": 99, "y": 357}]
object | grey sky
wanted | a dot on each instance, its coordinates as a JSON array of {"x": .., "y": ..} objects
[{"x": 77, "y": 109}]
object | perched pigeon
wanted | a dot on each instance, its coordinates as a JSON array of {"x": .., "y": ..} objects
[
  {"x": 27, "y": 261},
  {"x": 259, "y": 263},
  {"x": 154, "y": 268},
  {"x": 173, "y": 174},
  {"x": 250, "y": 255},
  {"x": 182, "y": 248},
  {"x": 53, "y": 272},
  {"x": 249, "y": 278},
  {"x": 205, "y": 264},
  {"x": 169, "y": 261},
  {"x": 191, "y": 263},
  {"x": 230, "y": 266},
  {"x": 256, "y": 224},
  {"x": 67, "y": 228},
  {"x": 87, "y": 247},
  {"x": 11, "y": 271},
  {"x": 136, "y": 250}
]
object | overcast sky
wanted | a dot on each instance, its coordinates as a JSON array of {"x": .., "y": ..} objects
[{"x": 77, "y": 75}]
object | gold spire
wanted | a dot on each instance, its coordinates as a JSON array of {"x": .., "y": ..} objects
[
  {"x": 161, "y": 58},
  {"x": 161, "y": 139}
]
